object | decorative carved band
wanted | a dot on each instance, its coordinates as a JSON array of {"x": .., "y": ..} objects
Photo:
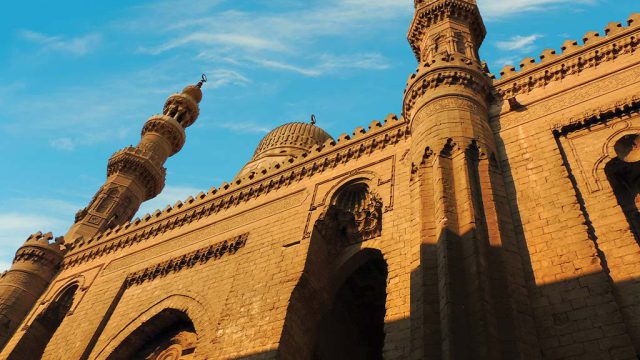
[
  {"x": 621, "y": 108},
  {"x": 420, "y": 85},
  {"x": 187, "y": 261},
  {"x": 132, "y": 161},
  {"x": 172, "y": 132}
]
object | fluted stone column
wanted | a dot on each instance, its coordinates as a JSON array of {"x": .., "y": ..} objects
[{"x": 476, "y": 288}]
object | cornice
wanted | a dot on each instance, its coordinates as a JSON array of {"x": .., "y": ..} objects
[
  {"x": 331, "y": 154},
  {"x": 574, "y": 59},
  {"x": 451, "y": 70},
  {"x": 623, "y": 107}
]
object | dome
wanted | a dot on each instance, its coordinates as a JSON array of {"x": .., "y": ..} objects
[
  {"x": 284, "y": 142},
  {"x": 291, "y": 139}
]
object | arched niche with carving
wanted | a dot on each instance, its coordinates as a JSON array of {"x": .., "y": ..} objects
[
  {"x": 169, "y": 335},
  {"x": 173, "y": 316},
  {"x": 33, "y": 343},
  {"x": 354, "y": 214},
  {"x": 623, "y": 173}
]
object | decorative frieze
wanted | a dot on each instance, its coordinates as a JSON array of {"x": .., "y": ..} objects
[{"x": 187, "y": 261}]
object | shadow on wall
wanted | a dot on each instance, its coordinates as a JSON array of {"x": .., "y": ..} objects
[{"x": 594, "y": 327}]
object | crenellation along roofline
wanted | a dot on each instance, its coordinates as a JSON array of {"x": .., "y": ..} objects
[
  {"x": 332, "y": 153},
  {"x": 574, "y": 58}
]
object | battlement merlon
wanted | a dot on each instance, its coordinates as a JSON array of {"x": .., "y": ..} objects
[{"x": 136, "y": 173}]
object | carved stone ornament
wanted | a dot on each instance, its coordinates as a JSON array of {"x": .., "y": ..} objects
[{"x": 360, "y": 220}]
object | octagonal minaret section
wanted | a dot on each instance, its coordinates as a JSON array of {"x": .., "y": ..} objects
[
  {"x": 445, "y": 36},
  {"x": 136, "y": 173}
]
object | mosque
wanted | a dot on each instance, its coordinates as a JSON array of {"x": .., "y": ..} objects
[{"x": 496, "y": 218}]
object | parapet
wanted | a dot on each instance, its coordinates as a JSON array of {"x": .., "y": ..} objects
[
  {"x": 595, "y": 48},
  {"x": 41, "y": 249}
]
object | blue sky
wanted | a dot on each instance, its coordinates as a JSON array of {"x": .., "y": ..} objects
[{"x": 79, "y": 78}]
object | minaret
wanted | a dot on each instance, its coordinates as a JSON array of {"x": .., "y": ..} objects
[
  {"x": 466, "y": 230},
  {"x": 136, "y": 173},
  {"x": 33, "y": 268}
]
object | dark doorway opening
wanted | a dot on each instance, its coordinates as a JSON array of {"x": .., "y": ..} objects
[{"x": 352, "y": 327}]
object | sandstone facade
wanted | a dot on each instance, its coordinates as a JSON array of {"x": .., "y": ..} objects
[{"x": 496, "y": 219}]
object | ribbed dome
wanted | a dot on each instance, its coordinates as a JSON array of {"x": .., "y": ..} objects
[
  {"x": 290, "y": 137},
  {"x": 285, "y": 142}
]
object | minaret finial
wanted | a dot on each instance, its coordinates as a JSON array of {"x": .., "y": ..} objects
[
  {"x": 203, "y": 80},
  {"x": 313, "y": 119}
]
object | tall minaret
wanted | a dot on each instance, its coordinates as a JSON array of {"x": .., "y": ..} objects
[
  {"x": 466, "y": 231},
  {"x": 136, "y": 174}
]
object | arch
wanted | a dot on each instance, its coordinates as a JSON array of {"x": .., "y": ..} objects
[
  {"x": 327, "y": 269},
  {"x": 169, "y": 334},
  {"x": 33, "y": 343},
  {"x": 189, "y": 305},
  {"x": 351, "y": 325}
]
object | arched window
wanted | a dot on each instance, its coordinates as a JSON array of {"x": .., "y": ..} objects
[
  {"x": 169, "y": 335},
  {"x": 34, "y": 342},
  {"x": 623, "y": 173}
]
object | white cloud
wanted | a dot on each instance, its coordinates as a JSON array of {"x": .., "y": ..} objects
[
  {"x": 80, "y": 45},
  {"x": 519, "y": 43},
  {"x": 222, "y": 77},
  {"x": 244, "y": 127},
  {"x": 64, "y": 144},
  {"x": 492, "y": 9},
  {"x": 285, "y": 41}
]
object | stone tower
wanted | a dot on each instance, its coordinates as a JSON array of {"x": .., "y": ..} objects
[
  {"x": 134, "y": 175},
  {"x": 468, "y": 247},
  {"x": 34, "y": 266}
]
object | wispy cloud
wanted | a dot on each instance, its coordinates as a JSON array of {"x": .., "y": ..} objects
[
  {"x": 493, "y": 9},
  {"x": 328, "y": 64},
  {"x": 223, "y": 77},
  {"x": 281, "y": 41},
  {"x": 64, "y": 144},
  {"x": 80, "y": 45},
  {"x": 519, "y": 43},
  {"x": 240, "y": 127}
]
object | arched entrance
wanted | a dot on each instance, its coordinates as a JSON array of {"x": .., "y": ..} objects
[
  {"x": 169, "y": 335},
  {"x": 34, "y": 342},
  {"x": 352, "y": 327}
]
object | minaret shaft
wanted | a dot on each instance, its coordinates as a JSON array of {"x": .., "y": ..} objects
[
  {"x": 136, "y": 173},
  {"x": 454, "y": 159}
]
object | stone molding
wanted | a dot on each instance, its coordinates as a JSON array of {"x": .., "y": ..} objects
[
  {"x": 134, "y": 162},
  {"x": 187, "y": 261},
  {"x": 168, "y": 128},
  {"x": 452, "y": 71},
  {"x": 327, "y": 156},
  {"x": 568, "y": 99},
  {"x": 573, "y": 60},
  {"x": 623, "y": 107}
]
